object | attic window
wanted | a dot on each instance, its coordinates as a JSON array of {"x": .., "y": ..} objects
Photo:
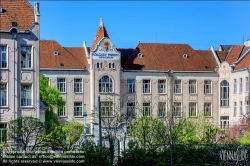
[
  {"x": 1, "y": 9},
  {"x": 206, "y": 67},
  {"x": 14, "y": 24},
  {"x": 61, "y": 64},
  {"x": 139, "y": 54},
  {"x": 142, "y": 66},
  {"x": 185, "y": 56},
  {"x": 55, "y": 52}
]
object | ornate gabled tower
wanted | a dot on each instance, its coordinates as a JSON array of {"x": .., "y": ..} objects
[{"x": 105, "y": 70}]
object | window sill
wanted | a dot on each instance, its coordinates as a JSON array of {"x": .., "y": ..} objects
[
  {"x": 177, "y": 93},
  {"x": 27, "y": 69},
  {"x": 81, "y": 116},
  {"x": 147, "y": 93},
  {"x": 27, "y": 107},
  {"x": 131, "y": 93},
  {"x": 209, "y": 94},
  {"x": 106, "y": 93},
  {"x": 63, "y": 92},
  {"x": 62, "y": 116},
  {"x": 162, "y": 93},
  {"x": 78, "y": 92},
  {"x": 4, "y": 68},
  {"x": 193, "y": 94}
]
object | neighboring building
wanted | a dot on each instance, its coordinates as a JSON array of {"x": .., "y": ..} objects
[{"x": 19, "y": 61}]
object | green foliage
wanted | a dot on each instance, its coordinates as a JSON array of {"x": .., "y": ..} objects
[
  {"x": 51, "y": 121},
  {"x": 25, "y": 130},
  {"x": 245, "y": 140},
  {"x": 148, "y": 131},
  {"x": 50, "y": 95}
]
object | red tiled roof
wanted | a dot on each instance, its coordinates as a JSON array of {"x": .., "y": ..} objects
[
  {"x": 101, "y": 33},
  {"x": 244, "y": 63},
  {"x": 19, "y": 11},
  {"x": 168, "y": 56},
  {"x": 222, "y": 55},
  {"x": 234, "y": 54},
  {"x": 209, "y": 57},
  {"x": 68, "y": 58}
]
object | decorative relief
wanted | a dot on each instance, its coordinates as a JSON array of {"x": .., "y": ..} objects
[
  {"x": 208, "y": 98},
  {"x": 131, "y": 98},
  {"x": 185, "y": 81},
  {"x": 177, "y": 98},
  {"x": 78, "y": 97},
  {"x": 26, "y": 76},
  {"x": 146, "y": 97},
  {"x": 192, "y": 98},
  {"x": 3, "y": 76},
  {"x": 53, "y": 79},
  {"x": 87, "y": 81},
  {"x": 123, "y": 81},
  {"x": 155, "y": 82},
  {"x": 70, "y": 80},
  {"x": 200, "y": 82},
  {"x": 224, "y": 112},
  {"x": 215, "y": 82}
]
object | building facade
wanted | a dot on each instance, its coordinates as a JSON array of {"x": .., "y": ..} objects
[{"x": 19, "y": 56}]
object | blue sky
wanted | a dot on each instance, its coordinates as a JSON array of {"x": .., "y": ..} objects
[{"x": 197, "y": 23}]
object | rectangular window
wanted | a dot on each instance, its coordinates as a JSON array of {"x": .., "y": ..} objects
[
  {"x": 161, "y": 86},
  {"x": 61, "y": 84},
  {"x": 235, "y": 85},
  {"x": 241, "y": 110},
  {"x": 207, "y": 87},
  {"x": 131, "y": 86},
  {"x": 146, "y": 109},
  {"x": 247, "y": 107},
  {"x": 192, "y": 109},
  {"x": 207, "y": 109},
  {"x": 3, "y": 95},
  {"x": 99, "y": 65},
  {"x": 3, "y": 58},
  {"x": 26, "y": 94},
  {"x": 25, "y": 57},
  {"x": 78, "y": 109},
  {"x": 61, "y": 112},
  {"x": 161, "y": 109},
  {"x": 146, "y": 86},
  {"x": 224, "y": 93},
  {"x": 235, "y": 109},
  {"x": 240, "y": 84},
  {"x": 192, "y": 86},
  {"x": 3, "y": 132},
  {"x": 177, "y": 109},
  {"x": 247, "y": 84},
  {"x": 131, "y": 110},
  {"x": 224, "y": 122},
  {"x": 78, "y": 85},
  {"x": 177, "y": 86},
  {"x": 111, "y": 65},
  {"x": 107, "y": 109}
]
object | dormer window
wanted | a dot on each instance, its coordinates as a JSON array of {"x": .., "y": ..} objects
[
  {"x": 185, "y": 56},
  {"x": 139, "y": 54},
  {"x": 56, "y": 53},
  {"x": 1, "y": 9}
]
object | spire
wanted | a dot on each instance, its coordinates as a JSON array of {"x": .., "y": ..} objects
[
  {"x": 101, "y": 23},
  {"x": 101, "y": 33}
]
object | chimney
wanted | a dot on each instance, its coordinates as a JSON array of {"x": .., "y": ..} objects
[
  {"x": 247, "y": 43},
  {"x": 37, "y": 12}
]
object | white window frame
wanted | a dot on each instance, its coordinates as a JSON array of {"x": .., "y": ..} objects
[
  {"x": 241, "y": 108},
  {"x": 26, "y": 62},
  {"x": 235, "y": 85},
  {"x": 78, "y": 109},
  {"x": 235, "y": 109},
  {"x": 208, "y": 109},
  {"x": 177, "y": 86},
  {"x": 112, "y": 65},
  {"x": 177, "y": 109},
  {"x": 192, "y": 86},
  {"x": 207, "y": 86},
  {"x": 26, "y": 95},
  {"x": 131, "y": 109},
  {"x": 131, "y": 85},
  {"x": 3, "y": 63},
  {"x": 146, "y": 86},
  {"x": 241, "y": 85},
  {"x": 161, "y": 86},
  {"x": 61, "y": 85},
  {"x": 99, "y": 65},
  {"x": 247, "y": 84},
  {"x": 224, "y": 94},
  {"x": 62, "y": 113},
  {"x": 105, "y": 84},
  {"x": 2, "y": 127},
  {"x": 192, "y": 109},
  {"x": 107, "y": 109},
  {"x": 162, "y": 109},
  {"x": 146, "y": 111},
  {"x": 78, "y": 85},
  {"x": 3, "y": 94},
  {"x": 247, "y": 107},
  {"x": 224, "y": 122}
]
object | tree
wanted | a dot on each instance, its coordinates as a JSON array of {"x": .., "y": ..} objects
[
  {"x": 26, "y": 131},
  {"x": 245, "y": 140},
  {"x": 147, "y": 131}
]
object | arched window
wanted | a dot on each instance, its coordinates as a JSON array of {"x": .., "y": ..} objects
[
  {"x": 224, "y": 93},
  {"x": 105, "y": 84}
]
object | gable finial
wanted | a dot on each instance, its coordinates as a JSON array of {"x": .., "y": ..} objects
[{"x": 101, "y": 22}]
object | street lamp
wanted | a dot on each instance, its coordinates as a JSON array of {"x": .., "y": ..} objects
[{"x": 85, "y": 123}]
